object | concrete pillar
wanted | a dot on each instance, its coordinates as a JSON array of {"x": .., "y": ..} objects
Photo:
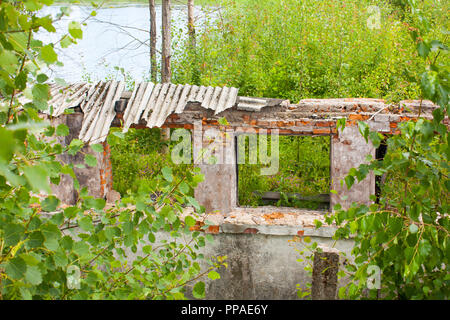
[
  {"x": 349, "y": 150},
  {"x": 324, "y": 278},
  {"x": 218, "y": 192}
]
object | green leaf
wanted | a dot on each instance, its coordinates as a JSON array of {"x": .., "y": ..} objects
[
  {"x": 193, "y": 202},
  {"x": 62, "y": 130},
  {"x": 9, "y": 61},
  {"x": 41, "y": 78},
  {"x": 424, "y": 247},
  {"x": 199, "y": 290},
  {"x": 81, "y": 248},
  {"x": 33, "y": 275},
  {"x": 60, "y": 259},
  {"x": 75, "y": 146},
  {"x": 48, "y": 54},
  {"x": 8, "y": 144},
  {"x": 66, "y": 42},
  {"x": 223, "y": 121},
  {"x": 428, "y": 84},
  {"x": 364, "y": 129},
  {"x": 35, "y": 240},
  {"x": 423, "y": 49},
  {"x": 97, "y": 147},
  {"x": 97, "y": 204},
  {"x": 40, "y": 92},
  {"x": 13, "y": 233},
  {"x": 189, "y": 221},
  {"x": 71, "y": 212},
  {"x": 37, "y": 176},
  {"x": 213, "y": 275},
  {"x": 21, "y": 80},
  {"x": 85, "y": 223},
  {"x": 167, "y": 174},
  {"x": 66, "y": 242},
  {"x": 75, "y": 30},
  {"x": 90, "y": 160},
  {"x": 50, "y": 204},
  {"x": 349, "y": 180},
  {"x": 184, "y": 187},
  {"x": 16, "y": 268}
]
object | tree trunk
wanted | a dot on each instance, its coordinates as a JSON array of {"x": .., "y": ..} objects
[
  {"x": 166, "y": 42},
  {"x": 153, "y": 64},
  {"x": 166, "y": 72},
  {"x": 191, "y": 27}
]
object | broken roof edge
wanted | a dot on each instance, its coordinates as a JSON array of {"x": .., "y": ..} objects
[{"x": 151, "y": 105}]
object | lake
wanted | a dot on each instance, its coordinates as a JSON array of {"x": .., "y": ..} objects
[{"x": 117, "y": 37}]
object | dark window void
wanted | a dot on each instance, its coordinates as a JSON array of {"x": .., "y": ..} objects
[
  {"x": 380, "y": 152},
  {"x": 301, "y": 178}
]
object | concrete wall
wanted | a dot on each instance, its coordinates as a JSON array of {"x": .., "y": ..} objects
[{"x": 261, "y": 266}]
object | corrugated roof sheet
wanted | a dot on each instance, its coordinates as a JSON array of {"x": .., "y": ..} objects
[
  {"x": 149, "y": 101},
  {"x": 155, "y": 102}
]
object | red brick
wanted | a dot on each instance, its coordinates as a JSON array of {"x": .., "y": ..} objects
[
  {"x": 213, "y": 229},
  {"x": 323, "y": 124},
  {"x": 322, "y": 131},
  {"x": 262, "y": 123},
  {"x": 357, "y": 117}
]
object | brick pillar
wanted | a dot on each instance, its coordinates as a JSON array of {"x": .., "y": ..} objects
[
  {"x": 349, "y": 150},
  {"x": 97, "y": 179}
]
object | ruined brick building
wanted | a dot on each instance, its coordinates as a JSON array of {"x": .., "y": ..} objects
[{"x": 262, "y": 265}]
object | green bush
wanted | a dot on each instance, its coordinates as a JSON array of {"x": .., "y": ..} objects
[
  {"x": 138, "y": 158},
  {"x": 85, "y": 251}
]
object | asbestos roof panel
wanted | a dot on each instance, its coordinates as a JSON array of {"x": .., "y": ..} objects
[
  {"x": 251, "y": 104},
  {"x": 161, "y": 100}
]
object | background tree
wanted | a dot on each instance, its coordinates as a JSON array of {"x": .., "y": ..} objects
[{"x": 153, "y": 63}]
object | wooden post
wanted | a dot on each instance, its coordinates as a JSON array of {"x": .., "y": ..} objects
[
  {"x": 324, "y": 278},
  {"x": 153, "y": 65}
]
